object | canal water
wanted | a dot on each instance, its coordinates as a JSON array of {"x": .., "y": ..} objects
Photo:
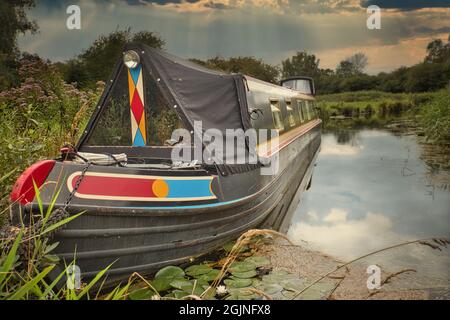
[{"x": 371, "y": 190}]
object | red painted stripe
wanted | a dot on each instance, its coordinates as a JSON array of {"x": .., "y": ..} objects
[{"x": 113, "y": 186}]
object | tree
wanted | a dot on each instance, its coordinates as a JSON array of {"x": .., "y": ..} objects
[
  {"x": 427, "y": 77},
  {"x": 302, "y": 64},
  {"x": 359, "y": 62},
  {"x": 345, "y": 69},
  {"x": 393, "y": 81},
  {"x": 96, "y": 62},
  {"x": 352, "y": 65},
  {"x": 246, "y": 65},
  {"x": 438, "y": 52},
  {"x": 14, "y": 21}
]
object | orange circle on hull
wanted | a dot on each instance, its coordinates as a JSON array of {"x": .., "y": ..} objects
[{"x": 160, "y": 188}]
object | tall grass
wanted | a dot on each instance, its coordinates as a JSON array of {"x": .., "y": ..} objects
[
  {"x": 435, "y": 117},
  {"x": 26, "y": 260}
]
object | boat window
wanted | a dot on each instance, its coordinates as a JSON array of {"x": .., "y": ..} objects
[
  {"x": 135, "y": 113},
  {"x": 276, "y": 114},
  {"x": 308, "y": 110},
  {"x": 300, "y": 110},
  {"x": 162, "y": 119},
  {"x": 113, "y": 127},
  {"x": 311, "y": 110},
  {"x": 314, "y": 109},
  {"x": 291, "y": 115}
]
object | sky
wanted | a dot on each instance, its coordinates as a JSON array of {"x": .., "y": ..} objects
[{"x": 272, "y": 30}]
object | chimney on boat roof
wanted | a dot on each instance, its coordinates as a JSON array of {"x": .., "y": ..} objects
[{"x": 300, "y": 83}]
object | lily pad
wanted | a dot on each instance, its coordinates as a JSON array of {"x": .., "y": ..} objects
[
  {"x": 210, "y": 294},
  {"x": 270, "y": 289},
  {"x": 270, "y": 279},
  {"x": 162, "y": 284},
  {"x": 242, "y": 266},
  {"x": 258, "y": 261},
  {"x": 293, "y": 284},
  {"x": 191, "y": 286},
  {"x": 141, "y": 294},
  {"x": 237, "y": 283},
  {"x": 256, "y": 282},
  {"x": 165, "y": 276},
  {"x": 178, "y": 294},
  {"x": 181, "y": 284},
  {"x": 171, "y": 272},
  {"x": 245, "y": 275},
  {"x": 228, "y": 246},
  {"x": 319, "y": 291},
  {"x": 198, "y": 270},
  {"x": 278, "y": 277},
  {"x": 241, "y": 294},
  {"x": 210, "y": 276}
]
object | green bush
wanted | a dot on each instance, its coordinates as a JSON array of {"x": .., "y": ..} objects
[{"x": 38, "y": 116}]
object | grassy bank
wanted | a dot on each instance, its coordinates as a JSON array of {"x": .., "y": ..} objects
[
  {"x": 430, "y": 112},
  {"x": 377, "y": 103}
]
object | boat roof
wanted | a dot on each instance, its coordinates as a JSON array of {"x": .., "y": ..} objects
[
  {"x": 213, "y": 97},
  {"x": 260, "y": 85}
]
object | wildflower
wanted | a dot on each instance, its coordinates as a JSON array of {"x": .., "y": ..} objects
[{"x": 221, "y": 290}]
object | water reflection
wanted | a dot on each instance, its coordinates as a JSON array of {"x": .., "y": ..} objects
[{"x": 371, "y": 190}]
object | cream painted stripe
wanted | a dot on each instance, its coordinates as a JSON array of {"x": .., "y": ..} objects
[
  {"x": 286, "y": 138},
  {"x": 134, "y": 125},
  {"x": 140, "y": 87},
  {"x": 135, "y": 176},
  {"x": 144, "y": 199}
]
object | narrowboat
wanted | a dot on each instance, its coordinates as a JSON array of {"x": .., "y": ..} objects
[{"x": 142, "y": 207}]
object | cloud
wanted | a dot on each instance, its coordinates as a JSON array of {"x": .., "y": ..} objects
[
  {"x": 276, "y": 6},
  {"x": 350, "y": 237},
  {"x": 160, "y": 2},
  {"x": 271, "y": 30},
  {"x": 382, "y": 57},
  {"x": 336, "y": 216},
  {"x": 217, "y": 5},
  {"x": 332, "y": 149},
  {"x": 407, "y": 5}
]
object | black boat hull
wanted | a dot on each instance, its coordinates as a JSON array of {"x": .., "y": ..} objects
[{"x": 138, "y": 239}]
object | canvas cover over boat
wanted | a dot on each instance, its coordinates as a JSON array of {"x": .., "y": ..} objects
[
  {"x": 196, "y": 93},
  {"x": 165, "y": 93}
]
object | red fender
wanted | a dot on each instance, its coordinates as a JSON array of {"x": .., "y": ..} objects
[{"x": 23, "y": 190}]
